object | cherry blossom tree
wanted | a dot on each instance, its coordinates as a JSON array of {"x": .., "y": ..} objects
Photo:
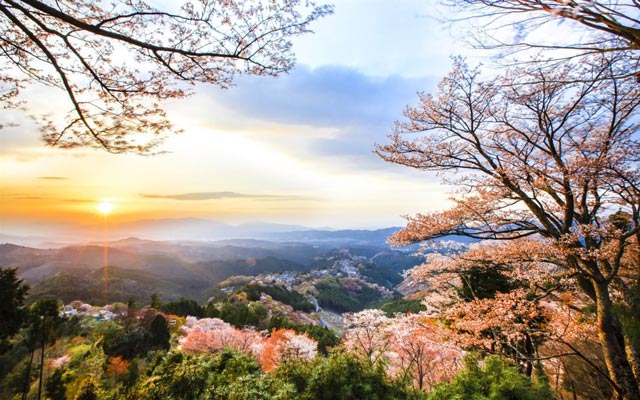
[
  {"x": 538, "y": 318},
  {"x": 411, "y": 346},
  {"x": 211, "y": 335},
  {"x": 365, "y": 334},
  {"x": 539, "y": 155},
  {"x": 509, "y": 324},
  {"x": 115, "y": 60},
  {"x": 418, "y": 351},
  {"x": 61, "y": 362},
  {"x": 571, "y": 351},
  {"x": 286, "y": 344}
]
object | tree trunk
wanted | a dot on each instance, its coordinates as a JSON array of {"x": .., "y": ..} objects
[
  {"x": 27, "y": 377},
  {"x": 612, "y": 341},
  {"x": 44, "y": 338},
  {"x": 633, "y": 356}
]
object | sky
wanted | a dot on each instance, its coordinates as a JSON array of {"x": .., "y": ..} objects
[{"x": 296, "y": 149}]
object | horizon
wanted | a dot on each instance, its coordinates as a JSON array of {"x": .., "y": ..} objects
[
  {"x": 158, "y": 229},
  {"x": 295, "y": 149}
]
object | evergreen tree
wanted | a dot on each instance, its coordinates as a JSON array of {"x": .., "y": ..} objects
[
  {"x": 54, "y": 388},
  {"x": 159, "y": 334},
  {"x": 495, "y": 381},
  {"x": 13, "y": 292}
]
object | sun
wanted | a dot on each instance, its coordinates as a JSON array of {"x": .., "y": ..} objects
[{"x": 105, "y": 207}]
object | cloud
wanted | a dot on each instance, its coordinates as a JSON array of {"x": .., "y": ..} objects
[
  {"x": 222, "y": 195},
  {"x": 54, "y": 178},
  {"x": 77, "y": 200},
  {"x": 329, "y": 96},
  {"x": 329, "y": 112},
  {"x": 29, "y": 198}
]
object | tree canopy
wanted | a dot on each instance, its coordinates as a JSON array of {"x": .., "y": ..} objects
[
  {"x": 543, "y": 159},
  {"x": 115, "y": 60}
]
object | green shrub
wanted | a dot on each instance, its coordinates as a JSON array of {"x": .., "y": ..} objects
[{"x": 496, "y": 380}]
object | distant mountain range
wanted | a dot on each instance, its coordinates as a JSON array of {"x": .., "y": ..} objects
[
  {"x": 191, "y": 261},
  {"x": 138, "y": 267},
  {"x": 181, "y": 230},
  {"x": 193, "y": 229},
  {"x": 190, "y": 229},
  {"x": 197, "y": 229}
]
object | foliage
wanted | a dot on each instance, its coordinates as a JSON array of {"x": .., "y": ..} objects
[
  {"x": 546, "y": 157},
  {"x": 13, "y": 292},
  {"x": 336, "y": 297},
  {"x": 183, "y": 307},
  {"x": 135, "y": 338},
  {"x": 117, "y": 367},
  {"x": 380, "y": 275},
  {"x": 508, "y": 324},
  {"x": 483, "y": 282},
  {"x": 258, "y": 309},
  {"x": 411, "y": 347},
  {"x": 252, "y": 387},
  {"x": 232, "y": 375},
  {"x": 341, "y": 376},
  {"x": 284, "y": 345},
  {"x": 44, "y": 312},
  {"x": 13, "y": 367},
  {"x": 212, "y": 335},
  {"x": 88, "y": 391},
  {"x": 155, "y": 301},
  {"x": 324, "y": 336},
  {"x": 184, "y": 376},
  {"x": 402, "y": 305},
  {"x": 159, "y": 334},
  {"x": 119, "y": 342},
  {"x": 280, "y": 293},
  {"x": 496, "y": 380},
  {"x": 54, "y": 387},
  {"x": 366, "y": 335},
  {"x": 237, "y": 314}
]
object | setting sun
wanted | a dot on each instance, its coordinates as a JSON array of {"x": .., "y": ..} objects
[{"x": 105, "y": 207}]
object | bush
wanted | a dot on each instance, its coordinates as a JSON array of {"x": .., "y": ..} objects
[
  {"x": 192, "y": 377},
  {"x": 325, "y": 337},
  {"x": 403, "y": 306},
  {"x": 342, "y": 376},
  {"x": 497, "y": 380},
  {"x": 183, "y": 308},
  {"x": 280, "y": 293}
]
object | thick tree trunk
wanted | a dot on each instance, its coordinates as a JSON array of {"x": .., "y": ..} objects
[{"x": 612, "y": 341}]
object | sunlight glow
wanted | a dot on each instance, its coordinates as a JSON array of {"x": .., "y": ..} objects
[{"x": 105, "y": 207}]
